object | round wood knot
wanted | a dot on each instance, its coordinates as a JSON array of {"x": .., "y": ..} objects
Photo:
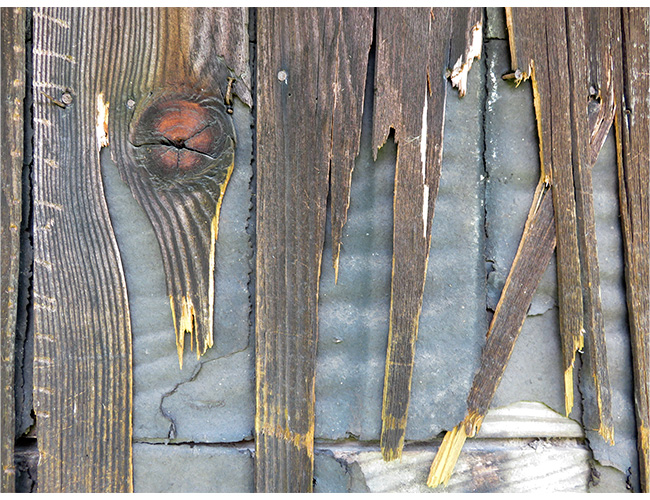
[{"x": 180, "y": 139}]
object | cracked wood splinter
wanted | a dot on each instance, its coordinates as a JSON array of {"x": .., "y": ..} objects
[{"x": 415, "y": 50}]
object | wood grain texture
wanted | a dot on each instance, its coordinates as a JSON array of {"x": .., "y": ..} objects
[
  {"x": 540, "y": 42},
  {"x": 549, "y": 55},
  {"x": 82, "y": 358},
  {"x": 590, "y": 67},
  {"x": 569, "y": 144},
  {"x": 632, "y": 124},
  {"x": 413, "y": 47},
  {"x": 12, "y": 93},
  {"x": 353, "y": 46},
  {"x": 177, "y": 62},
  {"x": 410, "y": 97},
  {"x": 299, "y": 64},
  {"x": 533, "y": 255}
]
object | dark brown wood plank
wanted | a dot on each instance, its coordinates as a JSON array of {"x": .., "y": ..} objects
[
  {"x": 582, "y": 135},
  {"x": 587, "y": 137},
  {"x": 410, "y": 94},
  {"x": 170, "y": 87},
  {"x": 353, "y": 46},
  {"x": 632, "y": 124},
  {"x": 540, "y": 40},
  {"x": 12, "y": 93},
  {"x": 299, "y": 62},
  {"x": 82, "y": 358},
  {"x": 533, "y": 255}
]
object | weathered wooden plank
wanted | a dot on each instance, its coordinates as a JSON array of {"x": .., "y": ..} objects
[
  {"x": 587, "y": 137},
  {"x": 299, "y": 53},
  {"x": 632, "y": 124},
  {"x": 540, "y": 43},
  {"x": 557, "y": 51},
  {"x": 410, "y": 95},
  {"x": 353, "y": 46},
  {"x": 12, "y": 93},
  {"x": 170, "y": 87},
  {"x": 413, "y": 48},
  {"x": 82, "y": 359},
  {"x": 551, "y": 66}
]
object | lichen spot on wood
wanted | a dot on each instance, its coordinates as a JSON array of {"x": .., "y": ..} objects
[{"x": 181, "y": 138}]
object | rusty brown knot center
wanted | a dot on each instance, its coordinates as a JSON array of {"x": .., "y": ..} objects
[{"x": 180, "y": 137}]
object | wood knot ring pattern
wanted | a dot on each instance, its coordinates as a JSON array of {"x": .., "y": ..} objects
[{"x": 182, "y": 138}]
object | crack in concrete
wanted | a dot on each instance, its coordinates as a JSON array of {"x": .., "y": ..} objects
[{"x": 171, "y": 435}]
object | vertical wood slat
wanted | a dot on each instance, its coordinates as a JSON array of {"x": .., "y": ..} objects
[
  {"x": 413, "y": 51},
  {"x": 547, "y": 59},
  {"x": 353, "y": 46},
  {"x": 632, "y": 125},
  {"x": 82, "y": 359},
  {"x": 590, "y": 67},
  {"x": 178, "y": 54},
  {"x": 410, "y": 97},
  {"x": 300, "y": 97},
  {"x": 540, "y": 47},
  {"x": 12, "y": 93}
]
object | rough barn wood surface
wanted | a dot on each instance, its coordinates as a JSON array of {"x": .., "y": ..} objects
[
  {"x": 296, "y": 113},
  {"x": 300, "y": 137},
  {"x": 12, "y": 69},
  {"x": 82, "y": 348}
]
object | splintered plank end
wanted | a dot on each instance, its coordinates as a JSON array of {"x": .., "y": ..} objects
[
  {"x": 447, "y": 456},
  {"x": 450, "y": 448}
]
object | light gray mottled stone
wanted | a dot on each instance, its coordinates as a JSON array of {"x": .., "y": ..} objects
[
  {"x": 156, "y": 369},
  {"x": 607, "y": 480},
  {"x": 217, "y": 404},
  {"x": 496, "y": 23},
  {"x": 484, "y": 466},
  {"x": 354, "y": 313},
  {"x": 159, "y": 468},
  {"x": 527, "y": 419}
]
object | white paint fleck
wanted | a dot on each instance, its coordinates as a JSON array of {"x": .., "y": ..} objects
[
  {"x": 423, "y": 136},
  {"x": 423, "y": 159},
  {"x": 425, "y": 210},
  {"x": 102, "y": 122}
]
